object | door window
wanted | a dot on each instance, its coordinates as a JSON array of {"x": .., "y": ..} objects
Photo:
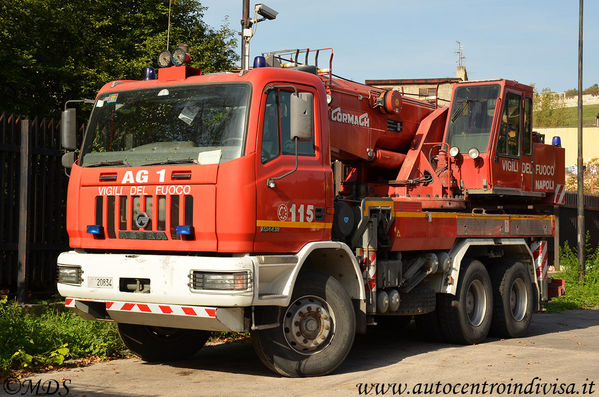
[
  {"x": 276, "y": 129},
  {"x": 527, "y": 133},
  {"x": 509, "y": 133}
]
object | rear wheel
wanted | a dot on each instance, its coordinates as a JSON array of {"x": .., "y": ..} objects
[
  {"x": 513, "y": 299},
  {"x": 316, "y": 330},
  {"x": 160, "y": 344},
  {"x": 466, "y": 317}
]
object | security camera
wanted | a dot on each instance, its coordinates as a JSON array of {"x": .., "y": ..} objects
[{"x": 265, "y": 11}]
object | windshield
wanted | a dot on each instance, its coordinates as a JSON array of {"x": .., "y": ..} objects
[
  {"x": 203, "y": 124},
  {"x": 471, "y": 117}
]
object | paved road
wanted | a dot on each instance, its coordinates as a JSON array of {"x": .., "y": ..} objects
[{"x": 561, "y": 349}]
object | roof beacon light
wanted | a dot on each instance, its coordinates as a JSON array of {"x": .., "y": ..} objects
[
  {"x": 556, "y": 141},
  {"x": 181, "y": 56},
  {"x": 164, "y": 59},
  {"x": 150, "y": 73},
  {"x": 260, "y": 62}
]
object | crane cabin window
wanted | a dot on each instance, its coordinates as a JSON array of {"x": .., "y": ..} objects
[{"x": 471, "y": 117}]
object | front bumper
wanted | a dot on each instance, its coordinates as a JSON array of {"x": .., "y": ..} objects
[
  {"x": 162, "y": 315},
  {"x": 170, "y": 300},
  {"x": 169, "y": 276}
]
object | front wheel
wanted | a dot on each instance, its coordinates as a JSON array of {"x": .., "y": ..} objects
[
  {"x": 160, "y": 344},
  {"x": 315, "y": 333}
]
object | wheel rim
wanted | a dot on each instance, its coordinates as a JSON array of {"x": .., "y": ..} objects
[
  {"x": 476, "y": 303},
  {"x": 518, "y": 299},
  {"x": 308, "y": 324}
]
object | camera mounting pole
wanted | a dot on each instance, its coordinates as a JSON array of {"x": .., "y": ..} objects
[{"x": 248, "y": 28}]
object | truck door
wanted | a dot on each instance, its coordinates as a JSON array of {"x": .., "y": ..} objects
[
  {"x": 290, "y": 210},
  {"x": 512, "y": 166},
  {"x": 527, "y": 152}
]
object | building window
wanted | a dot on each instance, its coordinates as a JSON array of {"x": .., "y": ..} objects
[{"x": 427, "y": 91}]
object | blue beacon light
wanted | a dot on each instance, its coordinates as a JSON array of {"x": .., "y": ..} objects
[
  {"x": 556, "y": 141},
  {"x": 260, "y": 62},
  {"x": 149, "y": 73}
]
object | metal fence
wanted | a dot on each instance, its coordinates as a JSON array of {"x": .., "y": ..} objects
[
  {"x": 568, "y": 219},
  {"x": 32, "y": 205}
]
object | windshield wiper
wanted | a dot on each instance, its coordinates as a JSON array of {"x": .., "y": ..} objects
[
  {"x": 177, "y": 161},
  {"x": 108, "y": 163},
  {"x": 458, "y": 112}
]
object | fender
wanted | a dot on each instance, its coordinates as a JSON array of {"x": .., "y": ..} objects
[
  {"x": 276, "y": 274},
  {"x": 450, "y": 282}
]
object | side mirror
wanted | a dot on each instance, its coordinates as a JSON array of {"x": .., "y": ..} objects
[
  {"x": 302, "y": 116},
  {"x": 68, "y": 159},
  {"x": 68, "y": 129}
]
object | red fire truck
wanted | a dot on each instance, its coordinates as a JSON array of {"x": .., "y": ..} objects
[{"x": 302, "y": 207}]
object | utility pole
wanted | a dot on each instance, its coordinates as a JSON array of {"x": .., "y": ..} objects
[
  {"x": 246, "y": 24},
  {"x": 580, "y": 164}
]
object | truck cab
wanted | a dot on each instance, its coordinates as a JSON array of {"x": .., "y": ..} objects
[
  {"x": 186, "y": 166},
  {"x": 495, "y": 151}
]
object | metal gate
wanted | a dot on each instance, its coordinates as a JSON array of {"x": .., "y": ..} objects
[{"x": 32, "y": 205}]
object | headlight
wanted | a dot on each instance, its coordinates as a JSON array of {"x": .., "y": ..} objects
[
  {"x": 237, "y": 281},
  {"x": 454, "y": 151},
  {"x": 69, "y": 275},
  {"x": 473, "y": 153}
]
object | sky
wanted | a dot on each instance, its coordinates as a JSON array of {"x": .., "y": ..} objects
[{"x": 531, "y": 41}]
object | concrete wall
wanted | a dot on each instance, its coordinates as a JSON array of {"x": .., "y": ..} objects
[
  {"x": 569, "y": 136},
  {"x": 413, "y": 90},
  {"x": 586, "y": 100}
]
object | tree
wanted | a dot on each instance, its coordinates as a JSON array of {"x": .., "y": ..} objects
[
  {"x": 55, "y": 50},
  {"x": 548, "y": 108},
  {"x": 591, "y": 177},
  {"x": 592, "y": 90},
  {"x": 571, "y": 93}
]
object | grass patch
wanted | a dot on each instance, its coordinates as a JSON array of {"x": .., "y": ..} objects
[
  {"x": 45, "y": 338},
  {"x": 578, "y": 296},
  {"x": 32, "y": 342}
]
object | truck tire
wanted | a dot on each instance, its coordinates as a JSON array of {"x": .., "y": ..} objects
[
  {"x": 466, "y": 317},
  {"x": 159, "y": 344},
  {"x": 316, "y": 330},
  {"x": 513, "y": 301}
]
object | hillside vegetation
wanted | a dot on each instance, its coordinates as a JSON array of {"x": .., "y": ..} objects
[{"x": 568, "y": 117}]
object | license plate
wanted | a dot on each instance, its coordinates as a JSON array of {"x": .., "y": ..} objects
[{"x": 99, "y": 282}]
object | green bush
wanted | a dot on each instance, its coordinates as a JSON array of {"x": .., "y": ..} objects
[
  {"x": 578, "y": 295},
  {"x": 29, "y": 341}
]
